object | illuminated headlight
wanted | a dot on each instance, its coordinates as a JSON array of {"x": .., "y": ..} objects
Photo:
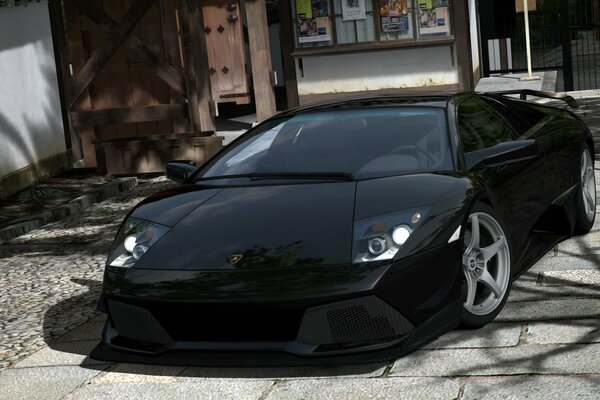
[
  {"x": 380, "y": 238},
  {"x": 133, "y": 241}
]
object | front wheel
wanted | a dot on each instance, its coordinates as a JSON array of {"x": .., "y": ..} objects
[{"x": 487, "y": 267}]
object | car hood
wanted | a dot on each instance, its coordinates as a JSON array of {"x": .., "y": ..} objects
[
  {"x": 270, "y": 227},
  {"x": 294, "y": 225}
]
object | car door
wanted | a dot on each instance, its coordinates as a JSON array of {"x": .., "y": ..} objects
[{"x": 516, "y": 190}]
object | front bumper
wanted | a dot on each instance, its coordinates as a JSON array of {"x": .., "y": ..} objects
[{"x": 312, "y": 316}]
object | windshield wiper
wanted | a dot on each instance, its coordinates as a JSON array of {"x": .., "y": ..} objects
[{"x": 338, "y": 176}]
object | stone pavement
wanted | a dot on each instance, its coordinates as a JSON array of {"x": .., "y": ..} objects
[{"x": 544, "y": 345}]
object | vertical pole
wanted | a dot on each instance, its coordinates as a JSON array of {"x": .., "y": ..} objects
[
  {"x": 530, "y": 76},
  {"x": 260, "y": 55},
  {"x": 527, "y": 42},
  {"x": 566, "y": 46}
]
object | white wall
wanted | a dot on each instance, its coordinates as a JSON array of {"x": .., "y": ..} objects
[
  {"x": 387, "y": 69},
  {"x": 31, "y": 126}
]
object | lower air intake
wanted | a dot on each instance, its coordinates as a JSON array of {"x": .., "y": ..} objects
[
  {"x": 358, "y": 320},
  {"x": 137, "y": 323}
]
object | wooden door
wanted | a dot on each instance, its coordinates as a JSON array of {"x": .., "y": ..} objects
[{"x": 226, "y": 56}]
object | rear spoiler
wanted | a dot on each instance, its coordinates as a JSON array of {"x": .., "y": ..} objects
[{"x": 523, "y": 93}]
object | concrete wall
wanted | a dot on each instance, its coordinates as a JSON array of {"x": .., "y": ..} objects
[
  {"x": 380, "y": 70},
  {"x": 31, "y": 128}
]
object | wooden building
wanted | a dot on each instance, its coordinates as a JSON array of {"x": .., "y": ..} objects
[{"x": 142, "y": 80}]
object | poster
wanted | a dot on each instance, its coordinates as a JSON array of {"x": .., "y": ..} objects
[
  {"x": 315, "y": 30},
  {"x": 393, "y": 16},
  {"x": 304, "y": 9},
  {"x": 353, "y": 10},
  {"x": 313, "y": 21},
  {"x": 433, "y": 17}
]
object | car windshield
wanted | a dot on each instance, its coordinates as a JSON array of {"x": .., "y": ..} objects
[{"x": 361, "y": 143}]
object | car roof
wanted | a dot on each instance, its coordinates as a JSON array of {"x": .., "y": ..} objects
[{"x": 437, "y": 100}]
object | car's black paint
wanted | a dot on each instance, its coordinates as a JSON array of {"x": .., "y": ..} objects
[{"x": 189, "y": 268}]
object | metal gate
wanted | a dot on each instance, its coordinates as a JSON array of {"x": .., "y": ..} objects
[{"x": 565, "y": 37}]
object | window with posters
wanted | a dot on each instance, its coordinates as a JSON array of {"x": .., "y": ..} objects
[{"x": 332, "y": 23}]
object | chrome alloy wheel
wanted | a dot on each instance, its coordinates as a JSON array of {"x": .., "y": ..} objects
[
  {"x": 588, "y": 184},
  {"x": 486, "y": 264}
]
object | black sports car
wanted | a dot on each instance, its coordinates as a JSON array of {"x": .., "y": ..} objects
[{"x": 347, "y": 231}]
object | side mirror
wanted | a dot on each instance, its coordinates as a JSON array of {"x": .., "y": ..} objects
[
  {"x": 502, "y": 154},
  {"x": 180, "y": 170}
]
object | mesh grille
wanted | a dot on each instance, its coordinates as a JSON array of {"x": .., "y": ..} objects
[
  {"x": 359, "y": 320},
  {"x": 353, "y": 324},
  {"x": 137, "y": 323}
]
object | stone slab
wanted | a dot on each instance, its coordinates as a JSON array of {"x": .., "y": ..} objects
[
  {"x": 573, "y": 277},
  {"x": 549, "y": 310},
  {"x": 372, "y": 389},
  {"x": 529, "y": 292},
  {"x": 491, "y": 335},
  {"x": 566, "y": 263},
  {"x": 74, "y": 353},
  {"x": 564, "y": 332},
  {"x": 42, "y": 383},
  {"x": 137, "y": 373},
  {"x": 522, "y": 359},
  {"x": 192, "y": 389},
  {"x": 343, "y": 371},
  {"x": 578, "y": 245},
  {"x": 533, "y": 388}
]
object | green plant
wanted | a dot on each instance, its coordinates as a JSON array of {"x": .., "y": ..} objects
[
  {"x": 39, "y": 195},
  {"x": 3, "y": 214}
]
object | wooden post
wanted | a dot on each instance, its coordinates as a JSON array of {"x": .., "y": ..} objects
[
  {"x": 260, "y": 54},
  {"x": 59, "y": 40},
  {"x": 200, "y": 55},
  {"x": 190, "y": 77},
  {"x": 286, "y": 36},
  {"x": 463, "y": 45},
  {"x": 85, "y": 134}
]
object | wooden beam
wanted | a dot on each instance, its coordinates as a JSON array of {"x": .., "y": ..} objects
[
  {"x": 260, "y": 54},
  {"x": 115, "y": 39},
  {"x": 200, "y": 56},
  {"x": 164, "y": 71},
  {"x": 128, "y": 115}
]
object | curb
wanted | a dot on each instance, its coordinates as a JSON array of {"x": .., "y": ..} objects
[{"x": 74, "y": 207}]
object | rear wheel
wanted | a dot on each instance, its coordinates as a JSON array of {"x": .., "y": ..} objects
[
  {"x": 486, "y": 266},
  {"x": 586, "y": 197}
]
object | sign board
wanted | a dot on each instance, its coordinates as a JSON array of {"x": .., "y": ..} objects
[{"x": 531, "y": 5}]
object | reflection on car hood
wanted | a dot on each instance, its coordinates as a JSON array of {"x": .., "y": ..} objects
[{"x": 270, "y": 227}]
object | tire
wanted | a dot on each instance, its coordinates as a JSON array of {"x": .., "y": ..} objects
[
  {"x": 585, "y": 212},
  {"x": 487, "y": 266}
]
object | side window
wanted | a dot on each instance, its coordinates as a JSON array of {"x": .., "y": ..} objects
[
  {"x": 521, "y": 115},
  {"x": 478, "y": 127}
]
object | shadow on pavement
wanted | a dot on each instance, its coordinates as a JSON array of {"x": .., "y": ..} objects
[{"x": 85, "y": 305}]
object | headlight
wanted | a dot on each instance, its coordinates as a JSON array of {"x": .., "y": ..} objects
[
  {"x": 133, "y": 241},
  {"x": 380, "y": 238}
]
